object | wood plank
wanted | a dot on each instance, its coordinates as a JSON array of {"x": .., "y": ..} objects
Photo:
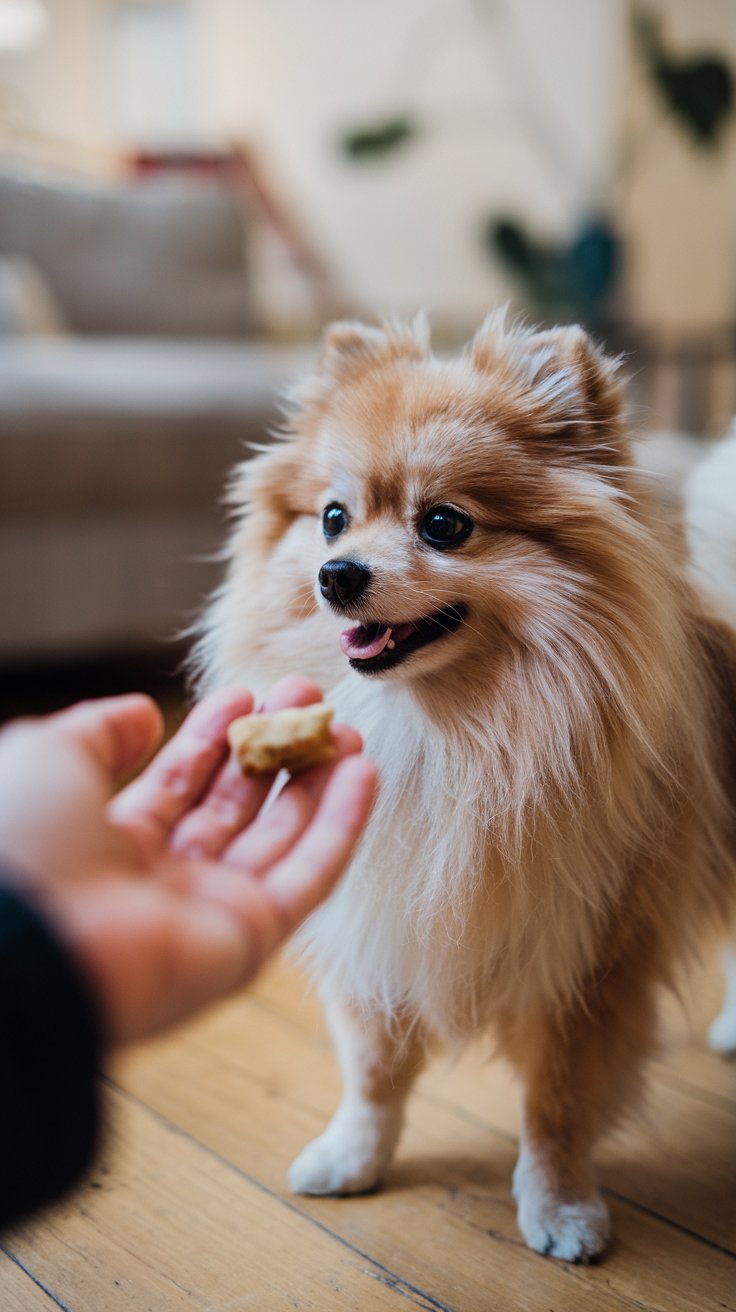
[
  {"x": 255, "y": 1086},
  {"x": 18, "y": 1292},
  {"x": 165, "y": 1226}
]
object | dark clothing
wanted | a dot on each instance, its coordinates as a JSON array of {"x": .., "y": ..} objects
[{"x": 50, "y": 1051}]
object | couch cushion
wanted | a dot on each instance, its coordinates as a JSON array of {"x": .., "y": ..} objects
[
  {"x": 158, "y": 256},
  {"x": 94, "y": 424}
]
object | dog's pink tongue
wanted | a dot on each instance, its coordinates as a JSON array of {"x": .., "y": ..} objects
[{"x": 360, "y": 643}]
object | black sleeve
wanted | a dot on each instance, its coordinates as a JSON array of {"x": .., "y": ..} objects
[{"x": 50, "y": 1050}]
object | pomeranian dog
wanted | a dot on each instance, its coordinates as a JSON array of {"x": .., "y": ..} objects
[{"x": 463, "y": 555}]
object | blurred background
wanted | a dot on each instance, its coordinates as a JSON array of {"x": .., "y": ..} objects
[{"x": 190, "y": 190}]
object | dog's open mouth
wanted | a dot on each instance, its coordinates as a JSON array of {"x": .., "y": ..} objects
[{"x": 373, "y": 648}]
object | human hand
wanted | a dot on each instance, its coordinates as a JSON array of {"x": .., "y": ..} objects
[{"x": 174, "y": 892}]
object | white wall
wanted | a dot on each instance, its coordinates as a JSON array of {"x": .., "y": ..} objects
[
  {"x": 504, "y": 104},
  {"x": 521, "y": 114},
  {"x": 58, "y": 88}
]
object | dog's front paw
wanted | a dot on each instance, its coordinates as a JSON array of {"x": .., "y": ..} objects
[
  {"x": 574, "y": 1231},
  {"x": 349, "y": 1158},
  {"x": 328, "y": 1165}
]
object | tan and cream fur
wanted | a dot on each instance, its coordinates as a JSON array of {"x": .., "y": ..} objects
[{"x": 556, "y": 821}]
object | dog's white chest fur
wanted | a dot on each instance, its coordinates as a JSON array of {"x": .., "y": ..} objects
[{"x": 429, "y": 919}]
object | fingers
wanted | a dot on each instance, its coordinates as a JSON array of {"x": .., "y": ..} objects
[
  {"x": 278, "y": 826},
  {"x": 117, "y": 732},
  {"x": 175, "y": 780},
  {"x": 233, "y": 801},
  {"x": 204, "y": 928},
  {"x": 264, "y": 912}
]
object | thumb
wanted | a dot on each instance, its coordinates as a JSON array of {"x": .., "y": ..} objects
[{"x": 117, "y": 733}]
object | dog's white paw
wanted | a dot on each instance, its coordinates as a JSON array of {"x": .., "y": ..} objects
[
  {"x": 349, "y": 1158},
  {"x": 571, "y": 1231}
]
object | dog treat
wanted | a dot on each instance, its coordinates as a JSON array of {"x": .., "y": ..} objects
[{"x": 294, "y": 740}]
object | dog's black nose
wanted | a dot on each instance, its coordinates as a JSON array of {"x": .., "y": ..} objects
[{"x": 342, "y": 581}]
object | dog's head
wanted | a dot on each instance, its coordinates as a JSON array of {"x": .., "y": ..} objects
[{"x": 443, "y": 509}]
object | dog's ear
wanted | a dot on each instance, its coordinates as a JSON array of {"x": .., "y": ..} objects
[
  {"x": 349, "y": 350},
  {"x": 567, "y": 359},
  {"x": 349, "y": 347},
  {"x": 347, "y": 343},
  {"x": 565, "y": 388},
  {"x": 273, "y": 489}
]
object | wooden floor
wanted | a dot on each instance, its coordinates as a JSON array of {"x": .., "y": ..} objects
[{"x": 190, "y": 1208}]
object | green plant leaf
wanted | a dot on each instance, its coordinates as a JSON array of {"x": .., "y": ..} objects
[
  {"x": 697, "y": 90},
  {"x": 377, "y": 139},
  {"x": 566, "y": 281}
]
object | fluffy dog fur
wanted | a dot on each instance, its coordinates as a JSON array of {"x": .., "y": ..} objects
[{"x": 556, "y": 820}]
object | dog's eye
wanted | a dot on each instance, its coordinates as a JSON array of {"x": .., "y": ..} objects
[
  {"x": 334, "y": 520},
  {"x": 443, "y": 526}
]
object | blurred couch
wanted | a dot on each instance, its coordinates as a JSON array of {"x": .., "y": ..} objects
[{"x": 132, "y": 378}]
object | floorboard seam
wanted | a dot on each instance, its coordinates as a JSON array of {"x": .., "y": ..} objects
[
  {"x": 403, "y": 1286},
  {"x": 17, "y": 1261},
  {"x": 695, "y": 1091},
  {"x": 666, "y": 1220}
]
